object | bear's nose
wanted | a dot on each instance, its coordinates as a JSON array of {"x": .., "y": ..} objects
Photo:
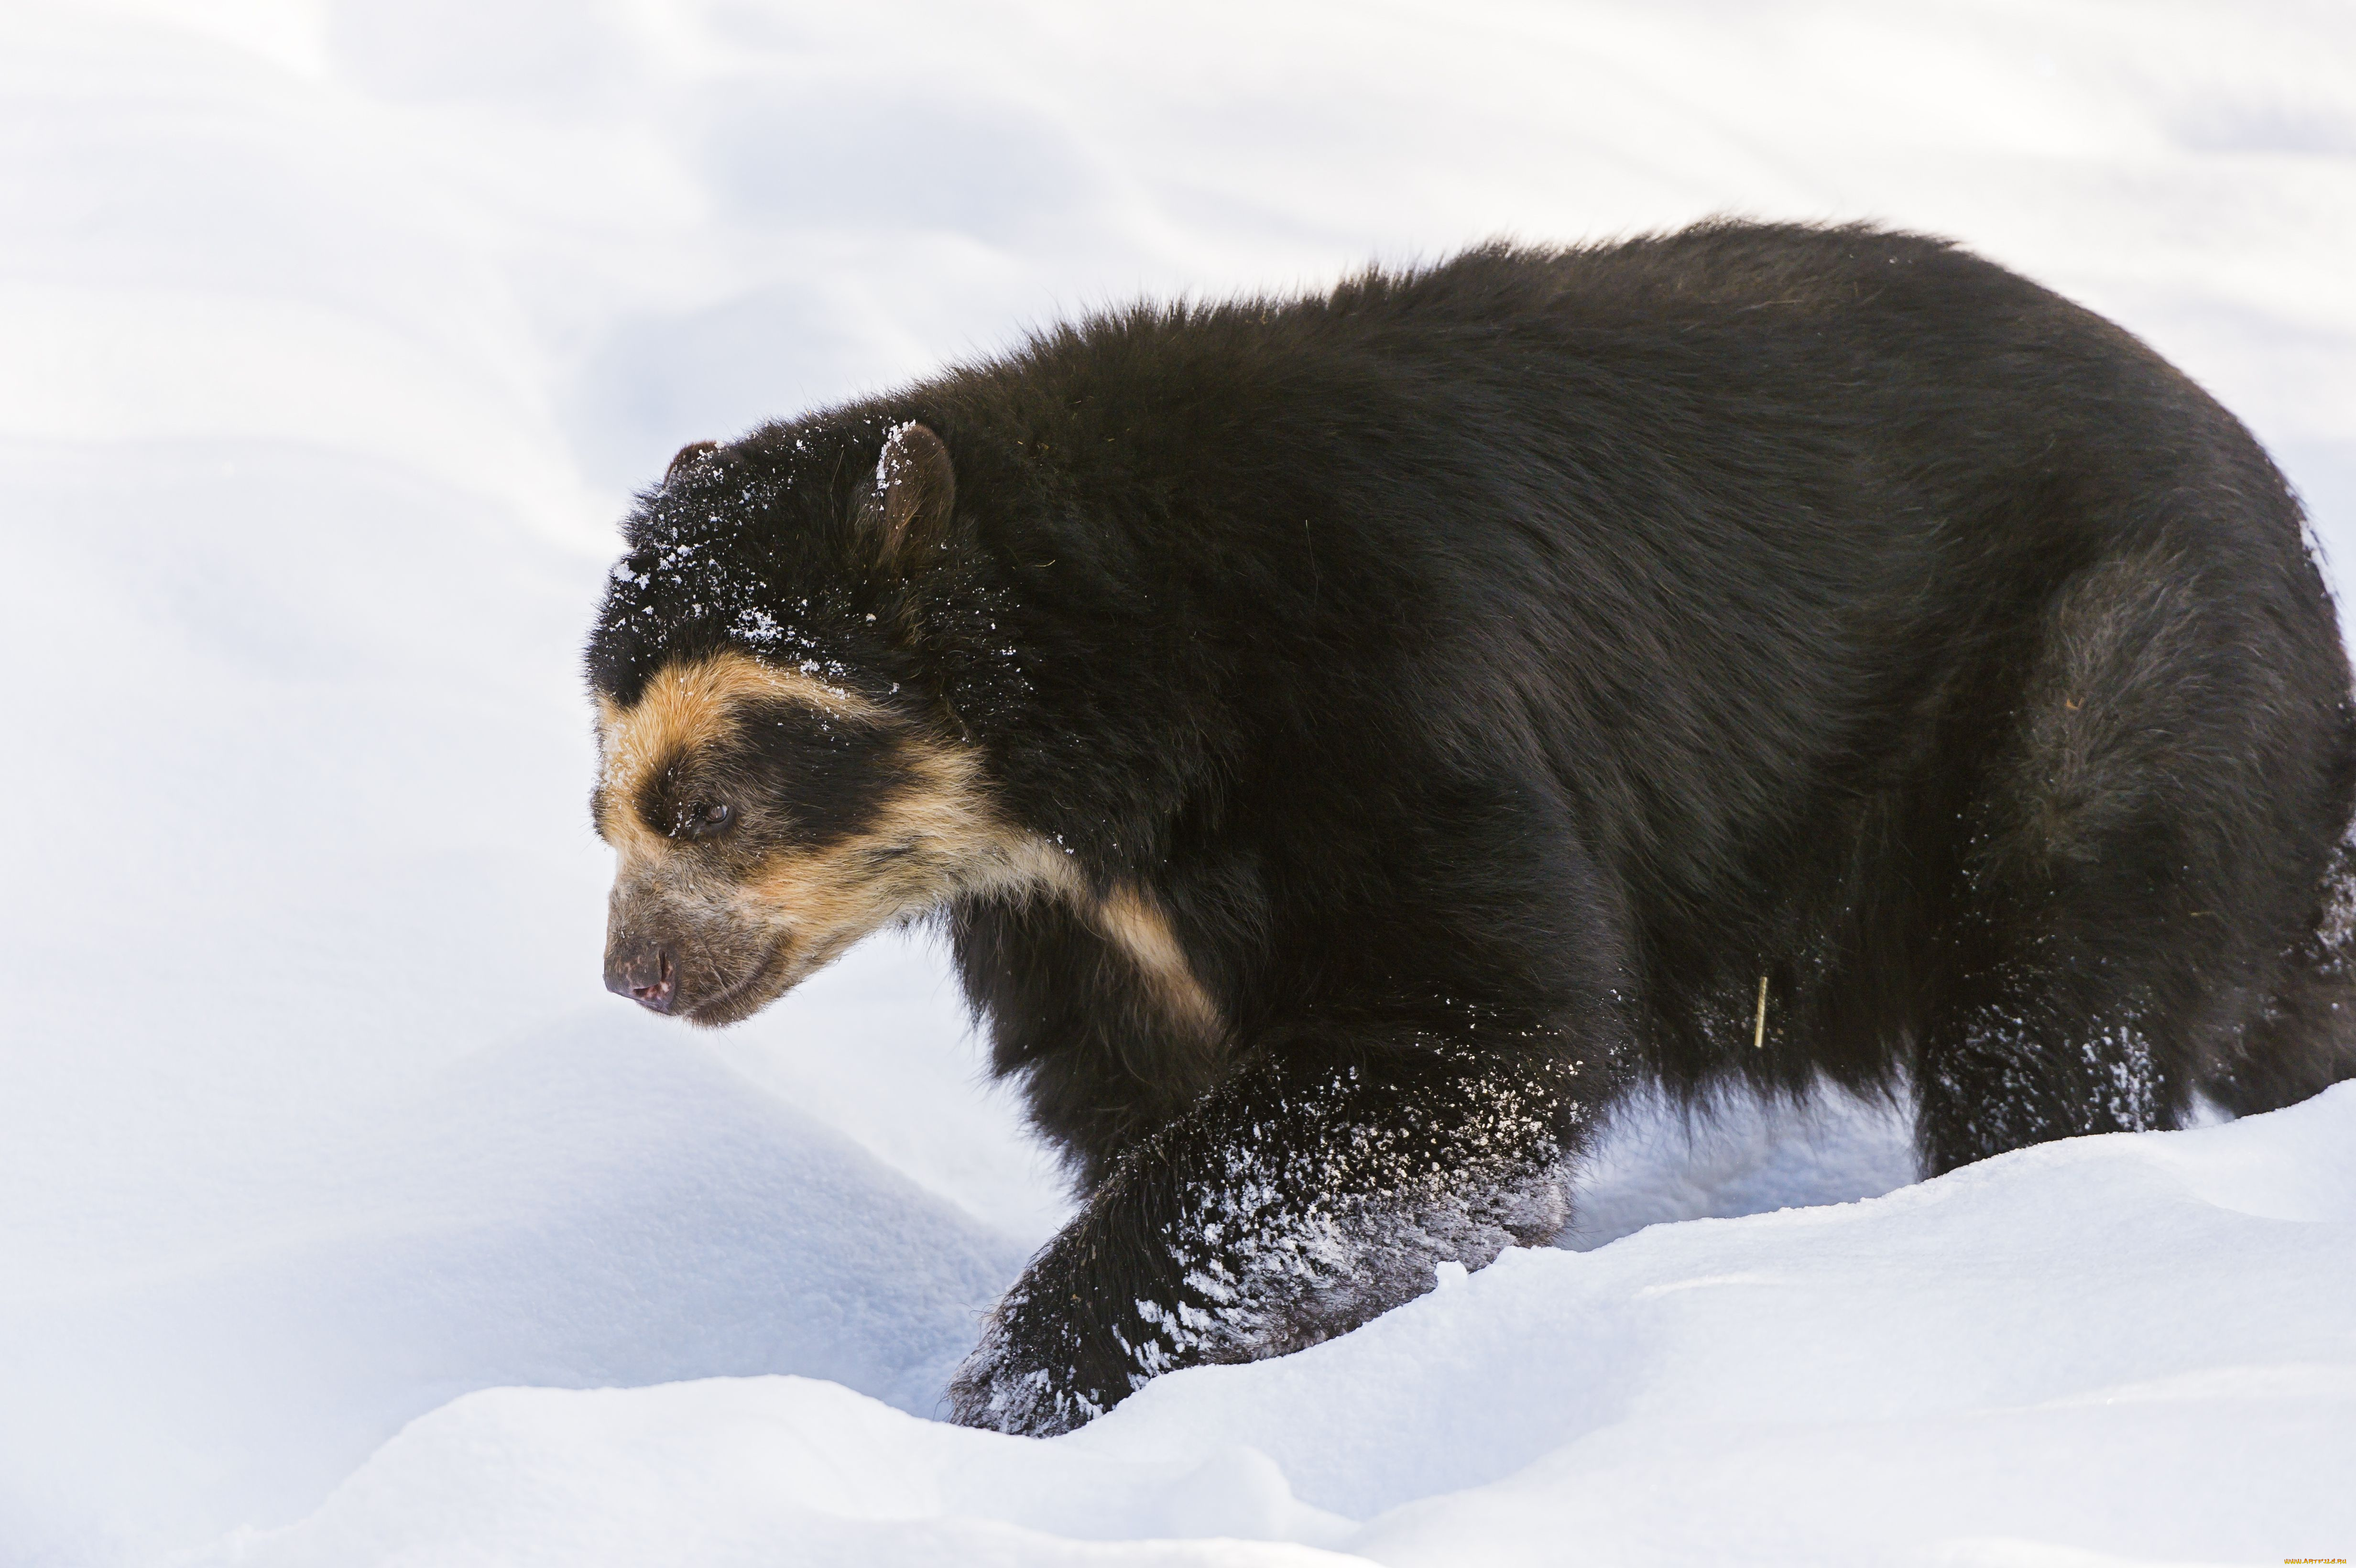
[{"x": 643, "y": 971}]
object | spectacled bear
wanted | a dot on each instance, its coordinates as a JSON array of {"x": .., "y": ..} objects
[{"x": 1352, "y": 741}]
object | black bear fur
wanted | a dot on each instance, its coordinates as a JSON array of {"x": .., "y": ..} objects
[{"x": 1497, "y": 671}]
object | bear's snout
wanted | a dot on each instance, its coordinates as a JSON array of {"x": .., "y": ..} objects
[
  {"x": 642, "y": 969},
  {"x": 699, "y": 964}
]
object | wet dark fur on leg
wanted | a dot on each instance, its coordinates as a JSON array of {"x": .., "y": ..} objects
[{"x": 1443, "y": 701}]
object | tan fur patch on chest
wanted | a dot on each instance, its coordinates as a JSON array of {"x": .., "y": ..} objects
[
  {"x": 1132, "y": 921},
  {"x": 1133, "y": 924}
]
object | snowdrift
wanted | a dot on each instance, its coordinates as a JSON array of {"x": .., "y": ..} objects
[{"x": 2117, "y": 1348}]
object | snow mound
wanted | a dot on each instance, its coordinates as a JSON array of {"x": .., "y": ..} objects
[{"x": 2027, "y": 1362}]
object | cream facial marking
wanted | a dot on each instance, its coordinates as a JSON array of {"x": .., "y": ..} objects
[
  {"x": 739, "y": 927},
  {"x": 687, "y": 708}
]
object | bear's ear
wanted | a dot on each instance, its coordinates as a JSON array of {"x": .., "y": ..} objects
[
  {"x": 906, "y": 515},
  {"x": 685, "y": 457}
]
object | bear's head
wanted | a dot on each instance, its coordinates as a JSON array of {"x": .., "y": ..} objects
[{"x": 781, "y": 770}]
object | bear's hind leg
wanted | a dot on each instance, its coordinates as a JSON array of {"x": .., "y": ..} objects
[
  {"x": 2304, "y": 1040},
  {"x": 2124, "y": 878},
  {"x": 2024, "y": 1054}
]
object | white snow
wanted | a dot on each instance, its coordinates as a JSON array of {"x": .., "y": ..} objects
[
  {"x": 2128, "y": 1348},
  {"x": 342, "y": 1218}
]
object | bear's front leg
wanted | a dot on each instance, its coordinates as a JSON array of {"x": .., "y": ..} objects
[{"x": 1315, "y": 1189}]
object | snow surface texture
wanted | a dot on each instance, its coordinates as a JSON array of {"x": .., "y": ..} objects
[
  {"x": 1831, "y": 1385},
  {"x": 331, "y": 1184}
]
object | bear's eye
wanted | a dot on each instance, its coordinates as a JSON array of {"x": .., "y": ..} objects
[{"x": 709, "y": 819}]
